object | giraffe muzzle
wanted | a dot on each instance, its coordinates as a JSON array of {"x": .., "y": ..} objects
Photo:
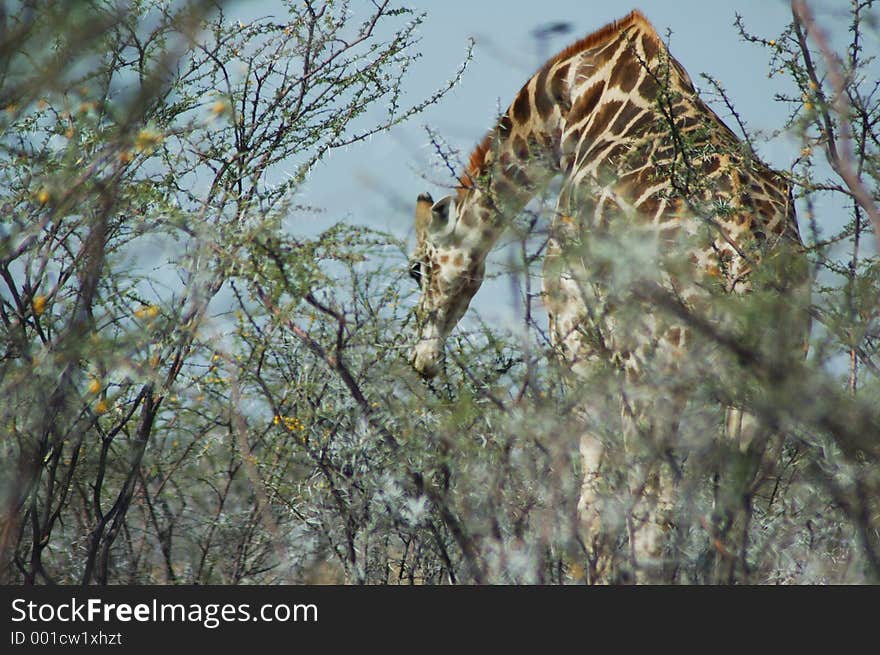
[{"x": 426, "y": 357}]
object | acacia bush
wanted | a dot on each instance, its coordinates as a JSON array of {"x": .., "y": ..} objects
[{"x": 196, "y": 388}]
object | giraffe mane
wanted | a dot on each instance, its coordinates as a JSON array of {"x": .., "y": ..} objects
[
  {"x": 477, "y": 160},
  {"x": 604, "y": 33}
]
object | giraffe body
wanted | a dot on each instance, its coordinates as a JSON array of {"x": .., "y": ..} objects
[{"x": 641, "y": 158}]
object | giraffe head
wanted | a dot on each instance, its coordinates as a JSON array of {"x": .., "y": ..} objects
[{"x": 448, "y": 267}]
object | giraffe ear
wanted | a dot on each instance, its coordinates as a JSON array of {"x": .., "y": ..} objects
[{"x": 441, "y": 213}]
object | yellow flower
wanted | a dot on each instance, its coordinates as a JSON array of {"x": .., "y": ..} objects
[
  {"x": 772, "y": 42},
  {"x": 39, "y": 304},
  {"x": 219, "y": 107},
  {"x": 43, "y": 196},
  {"x": 292, "y": 423},
  {"x": 148, "y": 311},
  {"x": 808, "y": 106},
  {"x": 101, "y": 406},
  {"x": 147, "y": 139},
  {"x": 125, "y": 157},
  {"x": 94, "y": 386}
]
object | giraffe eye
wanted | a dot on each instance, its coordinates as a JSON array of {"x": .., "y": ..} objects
[{"x": 415, "y": 271}]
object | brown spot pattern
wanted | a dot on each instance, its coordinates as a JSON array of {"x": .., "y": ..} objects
[
  {"x": 630, "y": 110},
  {"x": 602, "y": 118},
  {"x": 625, "y": 73},
  {"x": 586, "y": 103},
  {"x": 544, "y": 103},
  {"x": 521, "y": 108},
  {"x": 558, "y": 87}
]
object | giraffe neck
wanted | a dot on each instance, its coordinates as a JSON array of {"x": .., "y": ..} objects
[{"x": 514, "y": 163}]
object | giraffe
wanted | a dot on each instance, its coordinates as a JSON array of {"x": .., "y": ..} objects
[{"x": 641, "y": 157}]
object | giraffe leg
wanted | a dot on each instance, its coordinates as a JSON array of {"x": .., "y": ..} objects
[
  {"x": 750, "y": 454},
  {"x": 589, "y": 507},
  {"x": 653, "y": 398},
  {"x": 567, "y": 297},
  {"x": 603, "y": 512},
  {"x": 653, "y": 477}
]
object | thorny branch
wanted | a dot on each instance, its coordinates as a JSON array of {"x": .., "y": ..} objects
[{"x": 839, "y": 148}]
